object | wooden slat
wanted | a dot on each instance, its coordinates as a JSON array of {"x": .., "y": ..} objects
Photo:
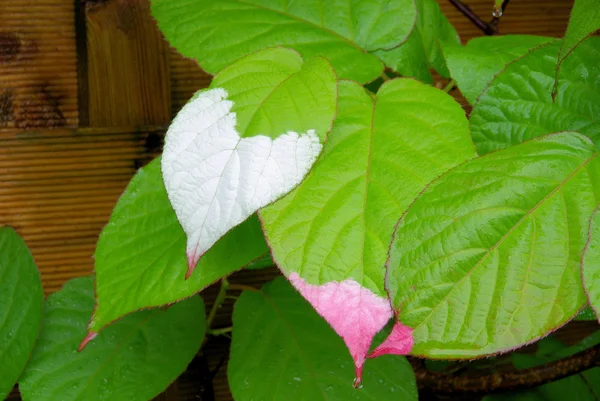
[
  {"x": 186, "y": 79},
  {"x": 59, "y": 187},
  {"x": 532, "y": 17},
  {"x": 128, "y": 65},
  {"x": 38, "y": 79}
]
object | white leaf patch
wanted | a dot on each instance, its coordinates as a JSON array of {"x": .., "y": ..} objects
[{"x": 216, "y": 179}]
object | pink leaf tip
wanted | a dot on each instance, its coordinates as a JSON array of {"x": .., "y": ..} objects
[
  {"x": 399, "y": 342},
  {"x": 88, "y": 338},
  {"x": 192, "y": 259},
  {"x": 355, "y": 313}
]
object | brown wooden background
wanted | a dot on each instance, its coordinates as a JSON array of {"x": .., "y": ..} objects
[{"x": 87, "y": 89}]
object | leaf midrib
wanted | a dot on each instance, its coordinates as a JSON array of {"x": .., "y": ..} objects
[
  {"x": 291, "y": 16},
  {"x": 505, "y": 236}
]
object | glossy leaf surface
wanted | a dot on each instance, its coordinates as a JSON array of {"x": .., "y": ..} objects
[
  {"x": 475, "y": 65},
  {"x": 216, "y": 33},
  {"x": 590, "y": 268},
  {"x": 140, "y": 256},
  {"x": 518, "y": 104},
  {"x": 422, "y": 50},
  {"x": 331, "y": 234},
  {"x": 584, "y": 21},
  {"x": 21, "y": 299},
  {"x": 487, "y": 258},
  {"x": 282, "y": 349},
  {"x": 133, "y": 360}
]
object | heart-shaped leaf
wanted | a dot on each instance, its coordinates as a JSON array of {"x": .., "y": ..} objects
[
  {"x": 330, "y": 236},
  {"x": 518, "y": 104},
  {"x": 133, "y": 360},
  {"x": 216, "y": 33},
  {"x": 590, "y": 268},
  {"x": 584, "y": 21},
  {"x": 474, "y": 66},
  {"x": 281, "y": 349},
  {"x": 140, "y": 256},
  {"x": 21, "y": 299},
  {"x": 422, "y": 50},
  {"x": 245, "y": 142},
  {"x": 487, "y": 258}
]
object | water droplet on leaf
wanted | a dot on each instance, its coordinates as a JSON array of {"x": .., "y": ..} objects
[{"x": 357, "y": 383}]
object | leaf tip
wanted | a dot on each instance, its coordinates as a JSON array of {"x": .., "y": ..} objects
[
  {"x": 399, "y": 342},
  {"x": 192, "y": 259},
  {"x": 88, "y": 338},
  {"x": 353, "y": 311}
]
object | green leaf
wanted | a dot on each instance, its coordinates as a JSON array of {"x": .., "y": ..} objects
[
  {"x": 216, "y": 33},
  {"x": 282, "y": 349},
  {"x": 274, "y": 91},
  {"x": 487, "y": 258},
  {"x": 133, "y": 360},
  {"x": 423, "y": 48},
  {"x": 518, "y": 103},
  {"x": 584, "y": 21},
  {"x": 587, "y": 313},
  {"x": 474, "y": 66},
  {"x": 263, "y": 262},
  {"x": 590, "y": 267},
  {"x": 337, "y": 225},
  {"x": 140, "y": 257},
  {"x": 245, "y": 142},
  {"x": 21, "y": 299}
]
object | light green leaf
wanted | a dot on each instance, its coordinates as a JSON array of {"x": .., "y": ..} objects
[
  {"x": 216, "y": 33},
  {"x": 474, "y": 66},
  {"x": 245, "y": 142},
  {"x": 140, "y": 257},
  {"x": 584, "y": 21},
  {"x": 518, "y": 103},
  {"x": 337, "y": 225},
  {"x": 590, "y": 268},
  {"x": 21, "y": 299},
  {"x": 282, "y": 350},
  {"x": 423, "y": 48},
  {"x": 274, "y": 91},
  {"x": 487, "y": 258},
  {"x": 133, "y": 360}
]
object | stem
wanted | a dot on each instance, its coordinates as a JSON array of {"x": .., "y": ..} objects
[
  {"x": 385, "y": 76},
  {"x": 242, "y": 287},
  {"x": 506, "y": 381},
  {"x": 218, "y": 332},
  {"x": 218, "y": 302},
  {"x": 450, "y": 86},
  {"x": 488, "y": 29}
]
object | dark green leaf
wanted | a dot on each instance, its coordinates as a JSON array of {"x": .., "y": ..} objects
[
  {"x": 21, "y": 299},
  {"x": 581, "y": 387},
  {"x": 283, "y": 350},
  {"x": 140, "y": 257},
  {"x": 133, "y": 360}
]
